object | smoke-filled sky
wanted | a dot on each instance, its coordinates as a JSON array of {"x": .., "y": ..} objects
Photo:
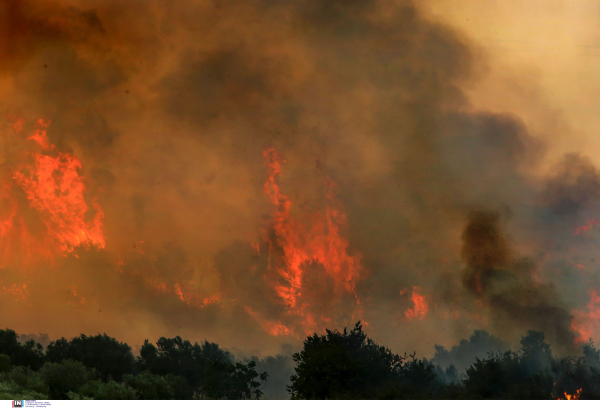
[{"x": 249, "y": 172}]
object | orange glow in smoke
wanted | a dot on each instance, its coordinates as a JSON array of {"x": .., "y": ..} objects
[
  {"x": 420, "y": 308},
  {"x": 585, "y": 323},
  {"x": 54, "y": 190},
  {"x": 592, "y": 222},
  {"x": 80, "y": 299},
  {"x": 179, "y": 291},
  {"x": 294, "y": 244},
  {"x": 273, "y": 328},
  {"x": 40, "y": 135},
  {"x": 210, "y": 300},
  {"x": 19, "y": 291}
]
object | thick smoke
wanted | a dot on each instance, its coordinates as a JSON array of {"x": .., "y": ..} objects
[
  {"x": 462, "y": 355},
  {"x": 170, "y": 105},
  {"x": 504, "y": 283}
]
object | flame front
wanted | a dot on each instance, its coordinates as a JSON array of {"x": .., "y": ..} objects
[
  {"x": 295, "y": 246},
  {"x": 420, "y": 308},
  {"x": 54, "y": 190},
  {"x": 575, "y": 396}
]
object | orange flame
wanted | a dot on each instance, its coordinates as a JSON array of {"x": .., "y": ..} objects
[
  {"x": 210, "y": 300},
  {"x": 179, "y": 291},
  {"x": 273, "y": 328},
  {"x": 40, "y": 135},
  {"x": 16, "y": 290},
  {"x": 80, "y": 299},
  {"x": 55, "y": 191},
  {"x": 420, "y": 308},
  {"x": 294, "y": 245},
  {"x": 575, "y": 396}
]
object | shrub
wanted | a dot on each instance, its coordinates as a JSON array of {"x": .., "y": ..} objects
[
  {"x": 63, "y": 377},
  {"x": 106, "y": 391}
]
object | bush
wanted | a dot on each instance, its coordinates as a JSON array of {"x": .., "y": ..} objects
[
  {"x": 26, "y": 379},
  {"x": 106, "y": 391},
  {"x": 63, "y": 377},
  {"x": 9, "y": 390},
  {"x": 149, "y": 386}
]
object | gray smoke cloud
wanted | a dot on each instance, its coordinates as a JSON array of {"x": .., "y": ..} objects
[{"x": 170, "y": 105}]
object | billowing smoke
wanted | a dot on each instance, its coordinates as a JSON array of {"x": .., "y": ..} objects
[
  {"x": 259, "y": 170},
  {"x": 502, "y": 282}
]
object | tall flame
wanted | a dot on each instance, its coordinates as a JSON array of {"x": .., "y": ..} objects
[
  {"x": 54, "y": 189},
  {"x": 294, "y": 245},
  {"x": 420, "y": 308}
]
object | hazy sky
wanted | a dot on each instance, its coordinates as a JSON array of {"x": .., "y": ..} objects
[
  {"x": 431, "y": 169},
  {"x": 543, "y": 59}
]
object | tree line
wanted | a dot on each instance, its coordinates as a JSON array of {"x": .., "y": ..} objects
[
  {"x": 100, "y": 367},
  {"x": 349, "y": 365},
  {"x": 333, "y": 365}
]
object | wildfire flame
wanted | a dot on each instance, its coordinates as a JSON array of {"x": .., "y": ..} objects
[
  {"x": 273, "y": 328},
  {"x": 294, "y": 245},
  {"x": 16, "y": 290},
  {"x": 54, "y": 190},
  {"x": 575, "y": 396},
  {"x": 420, "y": 308}
]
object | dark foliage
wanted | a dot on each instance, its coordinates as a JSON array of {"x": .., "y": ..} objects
[
  {"x": 110, "y": 390},
  {"x": 108, "y": 356},
  {"x": 348, "y": 365},
  {"x": 462, "y": 355},
  {"x": 533, "y": 373},
  {"x": 209, "y": 371},
  {"x": 149, "y": 386},
  {"x": 100, "y": 367},
  {"x": 28, "y": 354},
  {"x": 280, "y": 368},
  {"x": 64, "y": 377},
  {"x": 336, "y": 365}
]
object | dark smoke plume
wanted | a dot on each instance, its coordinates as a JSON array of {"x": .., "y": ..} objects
[
  {"x": 503, "y": 282},
  {"x": 170, "y": 105}
]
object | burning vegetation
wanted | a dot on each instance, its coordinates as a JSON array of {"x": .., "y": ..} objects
[
  {"x": 332, "y": 365},
  {"x": 267, "y": 173}
]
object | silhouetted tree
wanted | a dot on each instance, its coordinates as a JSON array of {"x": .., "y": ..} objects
[
  {"x": 512, "y": 375},
  {"x": 479, "y": 344},
  {"x": 536, "y": 354},
  {"x": 345, "y": 365},
  {"x": 208, "y": 369},
  {"x": 108, "y": 356},
  {"x": 280, "y": 369},
  {"x": 591, "y": 355},
  {"x": 29, "y": 354}
]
